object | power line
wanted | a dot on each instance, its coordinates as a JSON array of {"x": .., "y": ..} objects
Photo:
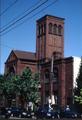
[
  {"x": 30, "y": 17},
  {"x": 12, "y": 4},
  {"x": 23, "y": 16}
]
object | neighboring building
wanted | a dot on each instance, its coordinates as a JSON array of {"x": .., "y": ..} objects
[
  {"x": 57, "y": 74},
  {"x": 76, "y": 66}
]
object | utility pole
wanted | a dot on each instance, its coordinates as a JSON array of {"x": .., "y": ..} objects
[{"x": 51, "y": 81}]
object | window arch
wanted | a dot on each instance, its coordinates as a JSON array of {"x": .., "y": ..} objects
[
  {"x": 44, "y": 28},
  {"x": 27, "y": 68},
  {"x": 55, "y": 29},
  {"x": 59, "y": 30},
  {"x": 41, "y": 29},
  {"x": 50, "y": 28},
  {"x": 11, "y": 70},
  {"x": 55, "y": 72},
  {"x": 47, "y": 75},
  {"x": 57, "y": 55},
  {"x": 38, "y": 29}
]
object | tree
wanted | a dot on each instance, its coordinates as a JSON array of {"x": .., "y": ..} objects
[
  {"x": 78, "y": 91},
  {"x": 1, "y": 89},
  {"x": 10, "y": 87},
  {"x": 29, "y": 85},
  {"x": 1, "y": 83},
  {"x": 24, "y": 86}
]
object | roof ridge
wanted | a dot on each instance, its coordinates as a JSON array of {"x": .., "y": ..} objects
[{"x": 23, "y": 51}]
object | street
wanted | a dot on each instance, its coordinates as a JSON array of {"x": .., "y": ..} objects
[{"x": 39, "y": 119}]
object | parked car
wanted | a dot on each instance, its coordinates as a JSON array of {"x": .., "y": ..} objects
[
  {"x": 52, "y": 114},
  {"x": 19, "y": 112},
  {"x": 27, "y": 114},
  {"x": 69, "y": 114},
  {"x": 13, "y": 112},
  {"x": 46, "y": 112},
  {"x": 2, "y": 112}
]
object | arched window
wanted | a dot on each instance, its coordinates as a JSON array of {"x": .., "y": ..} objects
[
  {"x": 41, "y": 29},
  {"x": 47, "y": 75},
  {"x": 38, "y": 29},
  {"x": 59, "y": 30},
  {"x": 55, "y": 29},
  {"x": 44, "y": 28},
  {"x": 57, "y": 55},
  {"x": 55, "y": 72},
  {"x": 12, "y": 70},
  {"x": 50, "y": 28},
  {"x": 28, "y": 68}
]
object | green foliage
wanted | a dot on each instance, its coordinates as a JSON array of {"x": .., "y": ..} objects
[
  {"x": 1, "y": 83},
  {"x": 9, "y": 86},
  {"x": 29, "y": 85},
  {"x": 25, "y": 85},
  {"x": 78, "y": 98}
]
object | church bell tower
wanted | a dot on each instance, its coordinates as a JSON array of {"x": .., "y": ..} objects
[{"x": 50, "y": 37}]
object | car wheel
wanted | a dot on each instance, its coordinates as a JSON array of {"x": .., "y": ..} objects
[{"x": 53, "y": 117}]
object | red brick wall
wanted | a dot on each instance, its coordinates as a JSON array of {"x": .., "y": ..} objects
[
  {"x": 69, "y": 79},
  {"x": 47, "y": 44},
  {"x": 54, "y": 43},
  {"x": 21, "y": 65},
  {"x": 62, "y": 83},
  {"x": 65, "y": 81}
]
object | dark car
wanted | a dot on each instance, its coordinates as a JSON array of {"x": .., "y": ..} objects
[
  {"x": 68, "y": 114},
  {"x": 2, "y": 112},
  {"x": 46, "y": 112},
  {"x": 5, "y": 112},
  {"x": 39, "y": 113},
  {"x": 13, "y": 112},
  {"x": 18, "y": 112},
  {"x": 52, "y": 114},
  {"x": 27, "y": 114}
]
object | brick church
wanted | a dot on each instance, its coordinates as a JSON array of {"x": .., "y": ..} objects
[{"x": 57, "y": 74}]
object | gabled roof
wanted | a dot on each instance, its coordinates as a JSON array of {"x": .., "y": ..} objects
[{"x": 24, "y": 55}]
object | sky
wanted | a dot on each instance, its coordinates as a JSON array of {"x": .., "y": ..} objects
[{"x": 22, "y": 35}]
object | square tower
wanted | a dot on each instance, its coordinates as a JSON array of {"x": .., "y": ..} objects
[{"x": 50, "y": 37}]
